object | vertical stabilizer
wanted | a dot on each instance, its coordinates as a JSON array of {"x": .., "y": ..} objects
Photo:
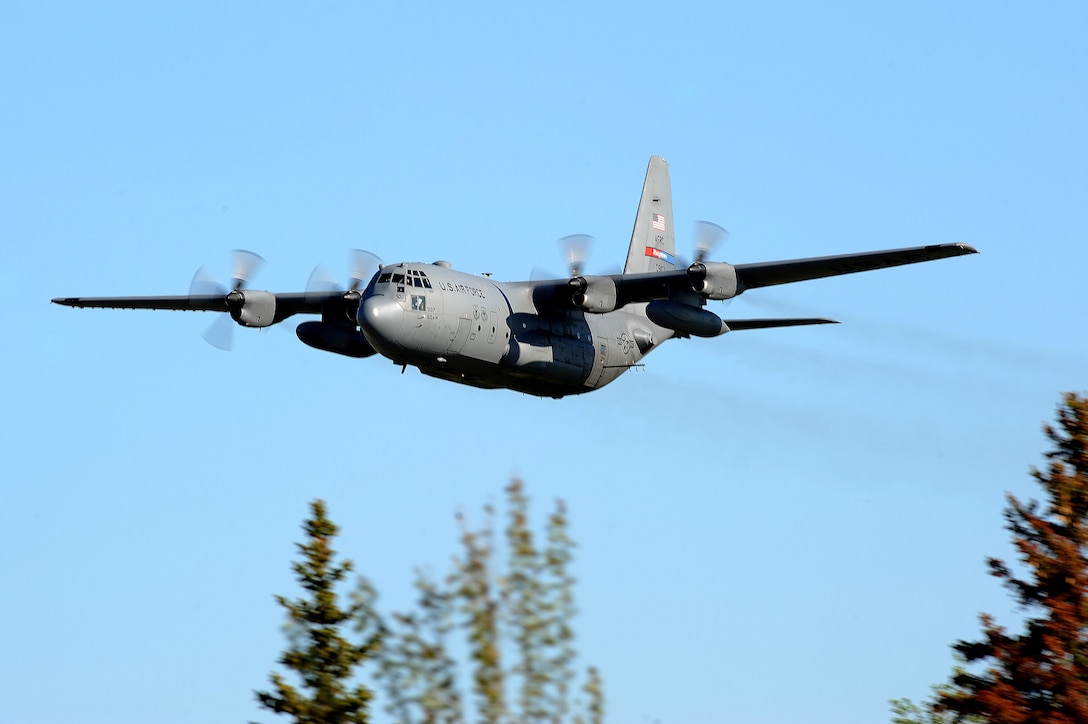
[{"x": 653, "y": 246}]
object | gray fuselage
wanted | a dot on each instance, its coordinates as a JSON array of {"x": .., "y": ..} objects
[{"x": 480, "y": 332}]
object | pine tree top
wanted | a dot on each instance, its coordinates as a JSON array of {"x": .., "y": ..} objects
[
  {"x": 319, "y": 654},
  {"x": 1040, "y": 675}
]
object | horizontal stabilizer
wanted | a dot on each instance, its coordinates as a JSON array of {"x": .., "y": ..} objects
[{"x": 736, "y": 325}]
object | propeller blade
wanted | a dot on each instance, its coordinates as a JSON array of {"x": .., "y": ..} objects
[
  {"x": 321, "y": 282},
  {"x": 204, "y": 282},
  {"x": 363, "y": 265},
  {"x": 575, "y": 248},
  {"x": 540, "y": 274},
  {"x": 220, "y": 334},
  {"x": 708, "y": 236},
  {"x": 245, "y": 265}
]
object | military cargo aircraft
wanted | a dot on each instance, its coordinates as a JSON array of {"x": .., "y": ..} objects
[{"x": 547, "y": 338}]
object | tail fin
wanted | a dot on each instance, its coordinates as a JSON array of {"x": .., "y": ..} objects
[{"x": 653, "y": 246}]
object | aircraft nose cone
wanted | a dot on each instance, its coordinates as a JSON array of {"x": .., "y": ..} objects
[{"x": 380, "y": 317}]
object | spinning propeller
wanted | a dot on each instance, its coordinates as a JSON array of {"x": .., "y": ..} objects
[
  {"x": 708, "y": 237},
  {"x": 362, "y": 264},
  {"x": 244, "y": 266},
  {"x": 575, "y": 247}
]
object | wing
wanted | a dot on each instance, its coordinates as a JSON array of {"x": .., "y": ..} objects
[
  {"x": 765, "y": 274},
  {"x": 283, "y": 304},
  {"x": 194, "y": 303},
  {"x": 727, "y": 280}
]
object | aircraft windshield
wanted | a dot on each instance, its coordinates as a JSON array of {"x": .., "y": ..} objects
[{"x": 413, "y": 278}]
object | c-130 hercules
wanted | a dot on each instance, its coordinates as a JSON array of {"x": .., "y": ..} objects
[{"x": 547, "y": 338}]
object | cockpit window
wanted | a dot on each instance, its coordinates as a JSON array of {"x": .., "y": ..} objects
[{"x": 410, "y": 277}]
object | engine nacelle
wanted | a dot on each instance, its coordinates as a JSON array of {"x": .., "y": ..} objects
[
  {"x": 713, "y": 279},
  {"x": 252, "y": 309},
  {"x": 593, "y": 294},
  {"x": 685, "y": 318},
  {"x": 339, "y": 337}
]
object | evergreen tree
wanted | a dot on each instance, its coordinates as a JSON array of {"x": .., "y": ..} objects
[
  {"x": 419, "y": 674},
  {"x": 518, "y": 637},
  {"x": 1040, "y": 675},
  {"x": 318, "y": 653}
]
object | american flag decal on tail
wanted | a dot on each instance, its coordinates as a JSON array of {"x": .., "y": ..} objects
[{"x": 658, "y": 222}]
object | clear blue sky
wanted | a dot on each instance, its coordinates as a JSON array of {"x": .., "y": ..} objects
[{"x": 774, "y": 526}]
